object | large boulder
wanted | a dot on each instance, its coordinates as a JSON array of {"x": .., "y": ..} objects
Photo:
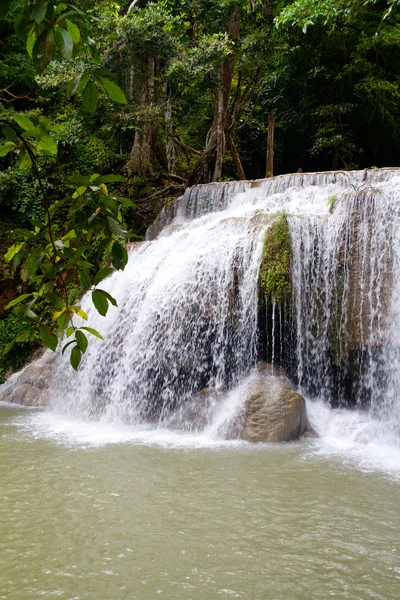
[
  {"x": 270, "y": 410},
  {"x": 273, "y": 412}
]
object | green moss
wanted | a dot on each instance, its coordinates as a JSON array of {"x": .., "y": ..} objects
[
  {"x": 332, "y": 202},
  {"x": 275, "y": 266}
]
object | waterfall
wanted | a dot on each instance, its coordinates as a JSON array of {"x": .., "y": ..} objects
[{"x": 188, "y": 317}]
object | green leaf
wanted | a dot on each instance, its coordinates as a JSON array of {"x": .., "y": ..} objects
[
  {"x": 103, "y": 245},
  {"x": 34, "y": 260},
  {"x": 9, "y": 347},
  {"x": 109, "y": 297},
  {"x": 63, "y": 320},
  {"x": 6, "y": 148},
  {"x": 69, "y": 331},
  {"x": 21, "y": 22},
  {"x": 47, "y": 146},
  {"x": 30, "y": 42},
  {"x": 23, "y": 336},
  {"x": 56, "y": 300},
  {"x": 84, "y": 278},
  {"x": 113, "y": 91},
  {"x": 68, "y": 43},
  {"x": 93, "y": 332},
  {"x": 79, "y": 83},
  {"x": 38, "y": 12},
  {"x": 47, "y": 269},
  {"x": 17, "y": 300},
  {"x": 38, "y": 223},
  {"x": 24, "y": 122},
  {"x": 119, "y": 256},
  {"x": 102, "y": 274},
  {"x": 66, "y": 346},
  {"x": 116, "y": 227},
  {"x": 90, "y": 98},
  {"x": 81, "y": 340},
  {"x": 48, "y": 338},
  {"x": 100, "y": 302},
  {"x": 75, "y": 10},
  {"x": 12, "y": 251},
  {"x": 112, "y": 179},
  {"x": 43, "y": 49},
  {"x": 75, "y": 358},
  {"x": 81, "y": 180},
  {"x": 73, "y": 31},
  {"x": 124, "y": 201},
  {"x": 81, "y": 313}
]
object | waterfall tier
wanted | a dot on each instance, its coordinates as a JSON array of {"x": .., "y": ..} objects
[{"x": 189, "y": 315}]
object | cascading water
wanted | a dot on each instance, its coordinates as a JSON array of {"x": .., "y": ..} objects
[{"x": 188, "y": 314}]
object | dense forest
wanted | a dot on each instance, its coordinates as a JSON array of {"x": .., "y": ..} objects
[{"x": 110, "y": 109}]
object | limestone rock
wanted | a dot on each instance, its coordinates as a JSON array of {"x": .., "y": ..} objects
[
  {"x": 273, "y": 412},
  {"x": 28, "y": 386}
]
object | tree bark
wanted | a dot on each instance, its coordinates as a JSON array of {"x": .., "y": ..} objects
[
  {"x": 219, "y": 133},
  {"x": 236, "y": 158},
  {"x": 142, "y": 156},
  {"x": 170, "y": 148},
  {"x": 209, "y": 167},
  {"x": 269, "y": 170}
]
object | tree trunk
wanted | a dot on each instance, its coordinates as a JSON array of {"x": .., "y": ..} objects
[
  {"x": 219, "y": 134},
  {"x": 209, "y": 167},
  {"x": 142, "y": 156},
  {"x": 236, "y": 158},
  {"x": 170, "y": 149},
  {"x": 269, "y": 170}
]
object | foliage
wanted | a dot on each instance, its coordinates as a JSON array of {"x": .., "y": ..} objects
[
  {"x": 48, "y": 259},
  {"x": 10, "y": 328}
]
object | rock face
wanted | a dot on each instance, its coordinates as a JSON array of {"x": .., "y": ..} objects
[
  {"x": 270, "y": 412},
  {"x": 28, "y": 387},
  {"x": 273, "y": 412}
]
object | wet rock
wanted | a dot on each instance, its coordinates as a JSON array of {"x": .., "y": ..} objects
[
  {"x": 28, "y": 395},
  {"x": 29, "y": 386},
  {"x": 196, "y": 413},
  {"x": 309, "y": 431},
  {"x": 273, "y": 411}
]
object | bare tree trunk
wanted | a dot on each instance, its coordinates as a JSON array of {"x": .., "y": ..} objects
[
  {"x": 236, "y": 158},
  {"x": 269, "y": 170},
  {"x": 209, "y": 167},
  {"x": 169, "y": 131},
  {"x": 132, "y": 84},
  {"x": 219, "y": 134},
  {"x": 142, "y": 156}
]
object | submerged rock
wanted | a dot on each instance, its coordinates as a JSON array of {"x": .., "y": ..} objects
[{"x": 195, "y": 414}]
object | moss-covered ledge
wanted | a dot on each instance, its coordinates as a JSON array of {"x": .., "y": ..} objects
[{"x": 275, "y": 279}]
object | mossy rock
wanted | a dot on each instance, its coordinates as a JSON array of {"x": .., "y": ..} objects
[{"x": 275, "y": 279}]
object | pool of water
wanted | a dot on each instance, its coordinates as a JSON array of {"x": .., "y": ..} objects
[{"x": 88, "y": 511}]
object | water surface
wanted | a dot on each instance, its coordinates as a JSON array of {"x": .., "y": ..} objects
[{"x": 91, "y": 512}]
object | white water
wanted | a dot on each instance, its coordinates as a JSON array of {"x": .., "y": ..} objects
[{"x": 187, "y": 318}]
